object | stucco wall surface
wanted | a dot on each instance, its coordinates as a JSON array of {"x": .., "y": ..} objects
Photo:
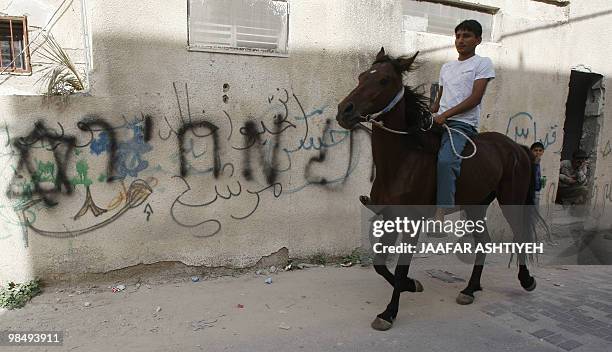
[{"x": 175, "y": 123}]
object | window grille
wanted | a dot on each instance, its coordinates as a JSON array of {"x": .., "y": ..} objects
[
  {"x": 239, "y": 26},
  {"x": 14, "y": 53}
]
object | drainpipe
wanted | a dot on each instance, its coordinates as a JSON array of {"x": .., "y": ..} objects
[{"x": 86, "y": 43}]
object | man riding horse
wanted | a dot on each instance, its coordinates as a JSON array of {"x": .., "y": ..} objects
[{"x": 408, "y": 154}]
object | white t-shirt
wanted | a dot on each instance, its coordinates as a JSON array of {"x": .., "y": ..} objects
[{"x": 457, "y": 79}]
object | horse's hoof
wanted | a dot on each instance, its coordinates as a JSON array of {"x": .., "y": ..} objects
[
  {"x": 381, "y": 324},
  {"x": 418, "y": 287},
  {"x": 464, "y": 299},
  {"x": 530, "y": 287}
]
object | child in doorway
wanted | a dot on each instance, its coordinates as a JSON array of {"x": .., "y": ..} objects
[{"x": 537, "y": 149}]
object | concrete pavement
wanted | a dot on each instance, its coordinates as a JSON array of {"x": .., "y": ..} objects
[{"x": 330, "y": 309}]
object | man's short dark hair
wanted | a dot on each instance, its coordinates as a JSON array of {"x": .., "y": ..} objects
[
  {"x": 470, "y": 26},
  {"x": 536, "y": 145}
]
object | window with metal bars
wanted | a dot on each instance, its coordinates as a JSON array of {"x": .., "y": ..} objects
[
  {"x": 256, "y": 27},
  {"x": 14, "y": 52},
  {"x": 441, "y": 16}
]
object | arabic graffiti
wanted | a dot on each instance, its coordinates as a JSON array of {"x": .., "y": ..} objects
[
  {"x": 606, "y": 150},
  {"x": 212, "y": 225},
  {"x": 522, "y": 128},
  {"x": 252, "y": 137},
  {"x": 290, "y": 146},
  {"x": 550, "y": 137}
]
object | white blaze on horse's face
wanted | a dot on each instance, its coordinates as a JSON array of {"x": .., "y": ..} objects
[{"x": 376, "y": 88}]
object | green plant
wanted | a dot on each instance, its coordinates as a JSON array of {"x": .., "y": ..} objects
[
  {"x": 62, "y": 77},
  {"x": 318, "y": 258},
  {"x": 354, "y": 257},
  {"x": 17, "y": 295}
]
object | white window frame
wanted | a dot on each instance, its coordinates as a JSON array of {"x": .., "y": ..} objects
[
  {"x": 234, "y": 49},
  {"x": 560, "y": 3},
  {"x": 464, "y": 5}
]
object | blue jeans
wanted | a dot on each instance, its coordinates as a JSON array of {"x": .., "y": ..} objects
[{"x": 449, "y": 165}]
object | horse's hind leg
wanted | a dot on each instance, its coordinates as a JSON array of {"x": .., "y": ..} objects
[
  {"x": 475, "y": 213},
  {"x": 516, "y": 216}
]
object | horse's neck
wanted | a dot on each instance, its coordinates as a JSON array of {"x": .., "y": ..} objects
[
  {"x": 393, "y": 151},
  {"x": 388, "y": 147}
]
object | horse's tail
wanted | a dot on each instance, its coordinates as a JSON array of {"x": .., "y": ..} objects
[
  {"x": 535, "y": 218},
  {"x": 531, "y": 215},
  {"x": 531, "y": 191}
]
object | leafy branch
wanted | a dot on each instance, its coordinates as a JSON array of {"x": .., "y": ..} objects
[{"x": 62, "y": 78}]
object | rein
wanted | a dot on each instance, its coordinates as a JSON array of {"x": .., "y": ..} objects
[{"x": 373, "y": 119}]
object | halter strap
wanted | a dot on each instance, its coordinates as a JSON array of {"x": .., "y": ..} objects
[
  {"x": 398, "y": 97},
  {"x": 372, "y": 118}
]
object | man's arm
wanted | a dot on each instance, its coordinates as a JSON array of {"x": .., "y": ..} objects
[
  {"x": 480, "y": 86},
  {"x": 564, "y": 172},
  {"x": 565, "y": 179}
]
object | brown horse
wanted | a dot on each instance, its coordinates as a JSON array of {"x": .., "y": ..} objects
[{"x": 404, "y": 150}]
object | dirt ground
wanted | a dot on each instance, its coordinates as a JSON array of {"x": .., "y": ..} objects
[{"x": 328, "y": 309}]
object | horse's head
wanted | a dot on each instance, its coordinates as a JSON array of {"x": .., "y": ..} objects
[{"x": 377, "y": 87}]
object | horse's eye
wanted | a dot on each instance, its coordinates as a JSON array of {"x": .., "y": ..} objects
[{"x": 384, "y": 81}]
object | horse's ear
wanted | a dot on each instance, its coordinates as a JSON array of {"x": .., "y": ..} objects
[
  {"x": 405, "y": 63},
  {"x": 381, "y": 54}
]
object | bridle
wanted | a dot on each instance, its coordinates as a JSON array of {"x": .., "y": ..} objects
[{"x": 375, "y": 121}]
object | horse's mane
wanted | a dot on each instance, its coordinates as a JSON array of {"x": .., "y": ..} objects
[{"x": 417, "y": 104}]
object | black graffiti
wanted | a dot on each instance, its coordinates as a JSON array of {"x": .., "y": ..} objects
[
  {"x": 220, "y": 194},
  {"x": 148, "y": 210},
  {"x": 607, "y": 150},
  {"x": 252, "y": 137},
  {"x": 318, "y": 159},
  {"x": 52, "y": 139},
  {"x": 86, "y": 126},
  {"x": 607, "y": 192},
  {"x": 192, "y": 126},
  {"x": 148, "y": 128},
  {"x": 63, "y": 146},
  {"x": 252, "y": 133}
]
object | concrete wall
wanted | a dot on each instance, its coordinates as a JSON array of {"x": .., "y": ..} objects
[{"x": 147, "y": 93}]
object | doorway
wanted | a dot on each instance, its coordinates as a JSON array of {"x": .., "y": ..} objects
[{"x": 583, "y": 115}]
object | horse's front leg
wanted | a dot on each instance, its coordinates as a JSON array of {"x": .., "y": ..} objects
[
  {"x": 380, "y": 259},
  {"x": 384, "y": 320},
  {"x": 401, "y": 283}
]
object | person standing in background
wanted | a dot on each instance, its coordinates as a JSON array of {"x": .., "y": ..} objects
[{"x": 537, "y": 149}]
